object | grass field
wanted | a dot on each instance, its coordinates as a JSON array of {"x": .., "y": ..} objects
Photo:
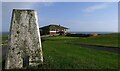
[
  {"x": 60, "y": 55},
  {"x": 104, "y": 40}
]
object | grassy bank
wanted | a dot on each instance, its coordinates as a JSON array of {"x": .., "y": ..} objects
[
  {"x": 104, "y": 40},
  {"x": 59, "y": 55}
]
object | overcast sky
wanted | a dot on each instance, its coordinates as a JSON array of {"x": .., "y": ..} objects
[{"x": 78, "y": 16}]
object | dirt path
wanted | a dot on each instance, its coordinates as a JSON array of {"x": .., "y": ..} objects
[{"x": 104, "y": 48}]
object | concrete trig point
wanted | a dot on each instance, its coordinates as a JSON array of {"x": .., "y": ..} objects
[{"x": 24, "y": 41}]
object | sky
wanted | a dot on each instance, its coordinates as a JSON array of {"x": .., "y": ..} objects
[
  {"x": 60, "y": 0},
  {"x": 78, "y": 16}
]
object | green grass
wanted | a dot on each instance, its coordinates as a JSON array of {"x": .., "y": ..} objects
[
  {"x": 4, "y": 40},
  {"x": 104, "y": 40},
  {"x": 59, "y": 55}
]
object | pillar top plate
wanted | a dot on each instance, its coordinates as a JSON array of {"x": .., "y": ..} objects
[{"x": 23, "y": 10}]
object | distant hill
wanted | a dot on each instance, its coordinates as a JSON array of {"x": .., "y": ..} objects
[
  {"x": 4, "y": 34},
  {"x": 92, "y": 32}
]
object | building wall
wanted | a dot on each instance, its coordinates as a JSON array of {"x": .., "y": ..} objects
[
  {"x": 44, "y": 32},
  {"x": 53, "y": 31}
]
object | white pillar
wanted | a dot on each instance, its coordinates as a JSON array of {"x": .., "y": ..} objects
[{"x": 24, "y": 41}]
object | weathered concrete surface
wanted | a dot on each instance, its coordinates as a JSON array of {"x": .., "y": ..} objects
[{"x": 24, "y": 40}]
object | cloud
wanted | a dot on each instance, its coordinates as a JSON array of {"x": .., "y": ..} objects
[
  {"x": 24, "y": 1},
  {"x": 48, "y": 3},
  {"x": 7, "y": 8},
  {"x": 60, "y": 0},
  {"x": 97, "y": 7}
]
